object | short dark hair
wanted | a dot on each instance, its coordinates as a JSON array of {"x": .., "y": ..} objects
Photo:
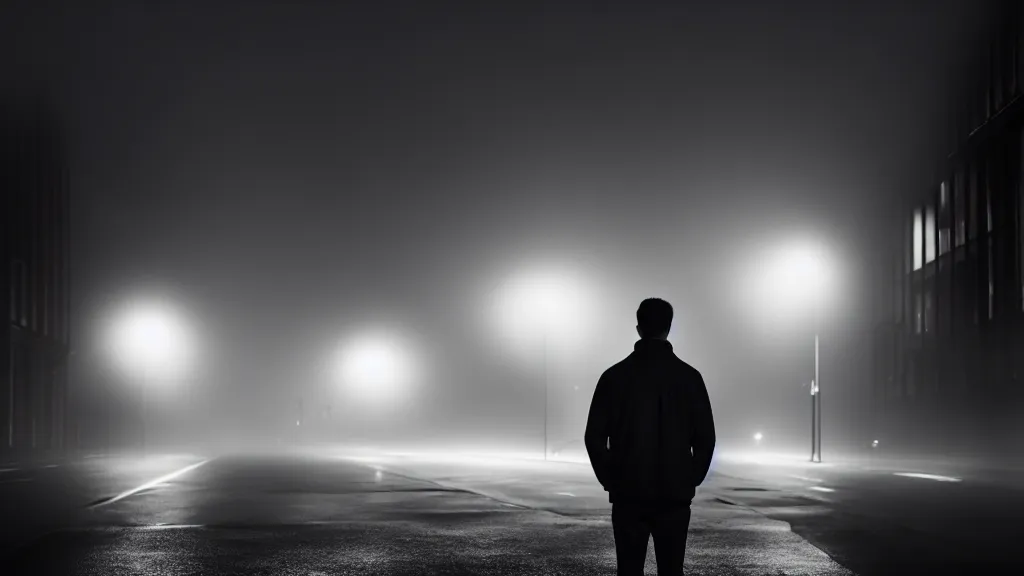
[{"x": 654, "y": 317}]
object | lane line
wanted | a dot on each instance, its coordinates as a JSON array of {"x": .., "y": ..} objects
[
  {"x": 2, "y": 470},
  {"x": 808, "y": 479},
  {"x": 565, "y": 494},
  {"x": 152, "y": 483},
  {"x": 822, "y": 489},
  {"x": 16, "y": 480},
  {"x": 935, "y": 477}
]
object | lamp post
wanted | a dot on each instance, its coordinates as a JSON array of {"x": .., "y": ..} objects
[
  {"x": 149, "y": 340},
  {"x": 799, "y": 276},
  {"x": 544, "y": 305},
  {"x": 544, "y": 367}
]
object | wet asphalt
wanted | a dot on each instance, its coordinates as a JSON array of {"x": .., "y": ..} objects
[{"x": 303, "y": 514}]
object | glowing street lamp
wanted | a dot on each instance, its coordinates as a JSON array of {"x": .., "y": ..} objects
[
  {"x": 375, "y": 366},
  {"x": 549, "y": 304},
  {"x": 150, "y": 341},
  {"x": 798, "y": 275}
]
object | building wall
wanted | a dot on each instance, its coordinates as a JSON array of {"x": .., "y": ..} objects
[
  {"x": 947, "y": 368},
  {"x": 34, "y": 258}
]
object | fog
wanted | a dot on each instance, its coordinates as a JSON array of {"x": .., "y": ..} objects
[{"x": 304, "y": 181}]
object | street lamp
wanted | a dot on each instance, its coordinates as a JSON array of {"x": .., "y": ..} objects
[
  {"x": 798, "y": 276},
  {"x": 149, "y": 340},
  {"x": 546, "y": 304},
  {"x": 376, "y": 366}
]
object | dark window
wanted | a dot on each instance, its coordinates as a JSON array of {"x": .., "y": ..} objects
[
  {"x": 945, "y": 219},
  {"x": 991, "y": 282},
  {"x": 19, "y": 293},
  {"x": 972, "y": 199},
  {"x": 918, "y": 313},
  {"x": 960, "y": 207},
  {"x": 1020, "y": 209},
  {"x": 929, "y": 312}
]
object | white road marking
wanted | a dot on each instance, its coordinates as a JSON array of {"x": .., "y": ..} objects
[
  {"x": 51, "y": 466},
  {"x": 15, "y": 480},
  {"x": 815, "y": 480},
  {"x": 172, "y": 526},
  {"x": 822, "y": 489},
  {"x": 927, "y": 476},
  {"x": 2, "y": 470},
  {"x": 565, "y": 494},
  {"x": 154, "y": 483}
]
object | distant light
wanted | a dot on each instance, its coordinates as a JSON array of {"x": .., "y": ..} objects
[
  {"x": 376, "y": 366},
  {"x": 874, "y": 443},
  {"x": 935, "y": 477},
  {"x": 575, "y": 387},
  {"x": 296, "y": 422},
  {"x": 758, "y": 436},
  {"x": 546, "y": 306},
  {"x": 150, "y": 339}
]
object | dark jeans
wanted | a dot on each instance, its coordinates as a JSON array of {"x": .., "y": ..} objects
[{"x": 634, "y": 524}]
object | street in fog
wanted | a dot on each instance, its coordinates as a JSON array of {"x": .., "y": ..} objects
[
  {"x": 309, "y": 514},
  {"x": 401, "y": 287},
  {"x": 348, "y": 511}
]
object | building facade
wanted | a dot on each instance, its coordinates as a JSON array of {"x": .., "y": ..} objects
[
  {"x": 34, "y": 283},
  {"x": 949, "y": 351}
]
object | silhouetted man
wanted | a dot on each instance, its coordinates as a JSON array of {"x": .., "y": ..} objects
[{"x": 650, "y": 435}]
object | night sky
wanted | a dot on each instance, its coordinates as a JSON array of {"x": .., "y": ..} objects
[{"x": 289, "y": 170}]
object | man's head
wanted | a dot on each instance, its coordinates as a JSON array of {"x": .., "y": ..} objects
[{"x": 654, "y": 318}]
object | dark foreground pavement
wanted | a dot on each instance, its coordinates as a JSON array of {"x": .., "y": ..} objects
[
  {"x": 326, "y": 515},
  {"x": 890, "y": 517}
]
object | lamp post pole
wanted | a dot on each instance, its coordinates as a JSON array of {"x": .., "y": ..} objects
[
  {"x": 544, "y": 367},
  {"x": 816, "y": 384},
  {"x": 145, "y": 410}
]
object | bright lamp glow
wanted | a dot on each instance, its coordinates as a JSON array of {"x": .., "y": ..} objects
[
  {"x": 376, "y": 367},
  {"x": 758, "y": 436},
  {"x": 794, "y": 280},
  {"x": 546, "y": 305},
  {"x": 150, "y": 339},
  {"x": 798, "y": 272}
]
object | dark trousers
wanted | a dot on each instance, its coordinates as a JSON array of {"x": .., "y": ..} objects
[{"x": 634, "y": 524}]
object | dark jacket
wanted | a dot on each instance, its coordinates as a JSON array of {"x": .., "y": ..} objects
[{"x": 650, "y": 433}]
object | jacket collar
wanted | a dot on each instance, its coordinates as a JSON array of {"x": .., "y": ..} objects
[{"x": 652, "y": 345}]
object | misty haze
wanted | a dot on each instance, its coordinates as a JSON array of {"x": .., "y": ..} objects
[{"x": 355, "y": 288}]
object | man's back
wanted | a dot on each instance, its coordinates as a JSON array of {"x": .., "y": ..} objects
[{"x": 650, "y": 433}]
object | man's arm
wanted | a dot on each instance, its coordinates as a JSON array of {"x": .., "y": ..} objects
[
  {"x": 703, "y": 433},
  {"x": 598, "y": 430}
]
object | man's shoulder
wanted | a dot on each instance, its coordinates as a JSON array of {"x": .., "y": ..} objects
[
  {"x": 617, "y": 369},
  {"x": 688, "y": 368}
]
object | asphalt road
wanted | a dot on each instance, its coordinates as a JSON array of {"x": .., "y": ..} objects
[
  {"x": 891, "y": 518},
  {"x": 320, "y": 514}
]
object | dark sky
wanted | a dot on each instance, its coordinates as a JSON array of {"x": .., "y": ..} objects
[{"x": 283, "y": 163}]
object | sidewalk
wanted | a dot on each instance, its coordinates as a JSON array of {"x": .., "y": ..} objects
[
  {"x": 1007, "y": 472},
  {"x": 724, "y": 538}
]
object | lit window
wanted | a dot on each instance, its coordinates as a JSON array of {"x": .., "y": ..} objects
[
  {"x": 929, "y": 235},
  {"x": 918, "y": 240}
]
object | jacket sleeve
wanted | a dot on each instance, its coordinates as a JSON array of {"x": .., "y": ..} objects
[
  {"x": 703, "y": 433},
  {"x": 599, "y": 429}
]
